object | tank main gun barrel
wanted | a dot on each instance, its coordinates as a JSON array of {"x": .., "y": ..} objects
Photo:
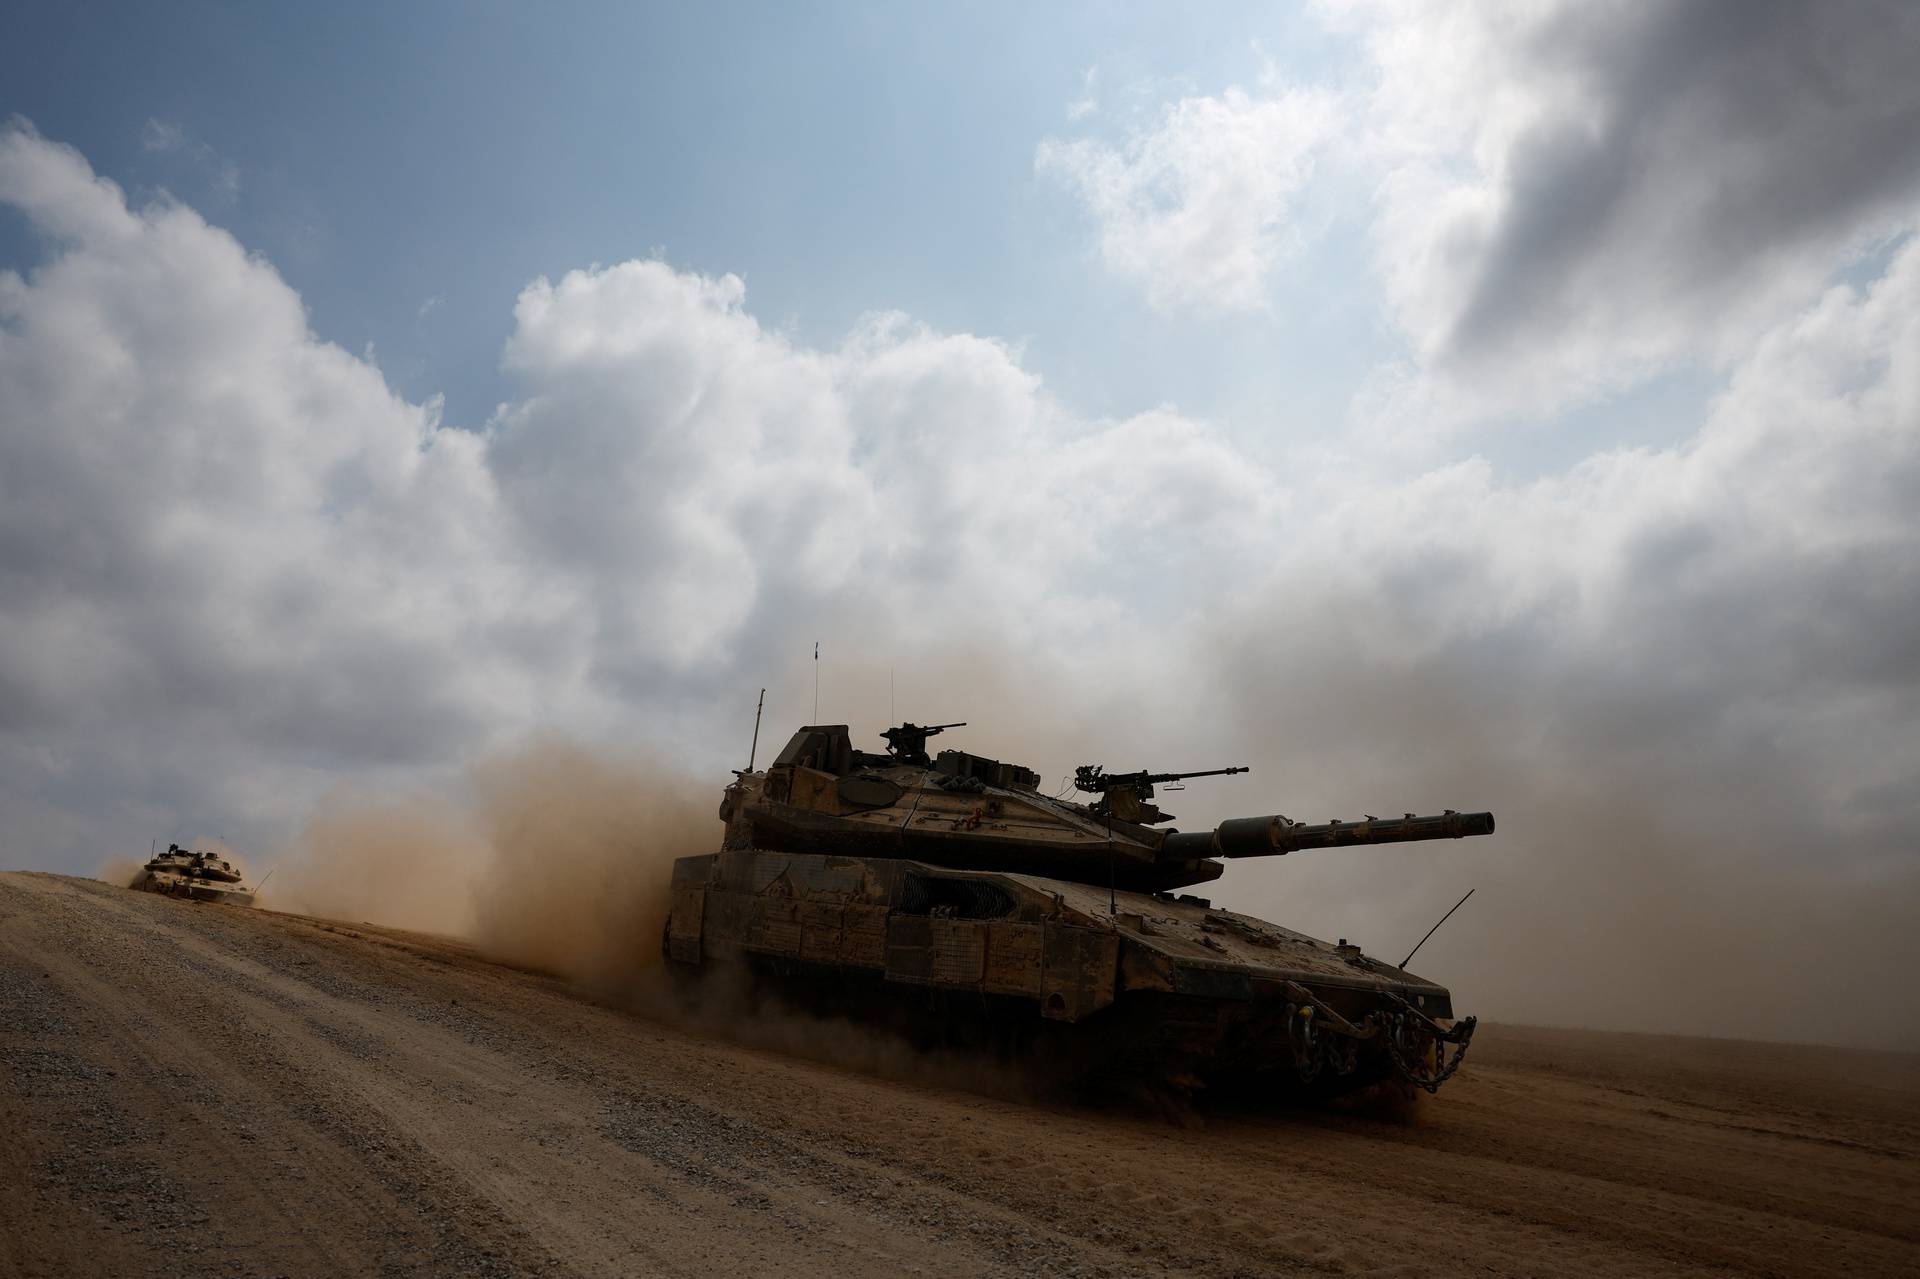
[{"x": 1275, "y": 836}]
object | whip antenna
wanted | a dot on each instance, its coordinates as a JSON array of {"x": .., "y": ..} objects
[
  {"x": 1436, "y": 928},
  {"x": 755, "y": 748}
]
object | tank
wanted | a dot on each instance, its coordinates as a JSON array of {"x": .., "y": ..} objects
[
  {"x": 202, "y": 876},
  {"x": 949, "y": 889}
]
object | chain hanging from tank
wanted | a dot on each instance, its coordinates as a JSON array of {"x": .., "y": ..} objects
[{"x": 1394, "y": 1028}]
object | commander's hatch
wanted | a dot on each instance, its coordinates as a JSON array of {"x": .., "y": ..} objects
[
  {"x": 826, "y": 748},
  {"x": 808, "y": 765}
]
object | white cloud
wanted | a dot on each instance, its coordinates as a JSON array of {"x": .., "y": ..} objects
[
  {"x": 1571, "y": 198},
  {"x": 1193, "y": 209},
  {"x": 219, "y": 536},
  {"x": 236, "y": 564},
  {"x": 1576, "y": 196},
  {"x": 659, "y": 414}
]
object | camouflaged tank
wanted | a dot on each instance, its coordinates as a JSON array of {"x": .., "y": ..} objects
[
  {"x": 952, "y": 888},
  {"x": 203, "y": 876}
]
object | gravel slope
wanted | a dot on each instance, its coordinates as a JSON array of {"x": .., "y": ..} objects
[{"x": 193, "y": 1089}]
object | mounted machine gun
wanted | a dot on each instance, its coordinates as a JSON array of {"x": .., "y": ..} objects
[{"x": 1125, "y": 795}]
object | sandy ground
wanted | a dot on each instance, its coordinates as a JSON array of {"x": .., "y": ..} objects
[{"x": 194, "y": 1089}]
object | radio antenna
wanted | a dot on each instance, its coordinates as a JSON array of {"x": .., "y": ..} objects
[
  {"x": 755, "y": 748},
  {"x": 1436, "y": 928},
  {"x": 816, "y": 681}
]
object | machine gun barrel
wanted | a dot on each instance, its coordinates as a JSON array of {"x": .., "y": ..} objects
[
  {"x": 1205, "y": 772},
  {"x": 1093, "y": 779},
  {"x": 908, "y": 742},
  {"x": 1276, "y": 836}
]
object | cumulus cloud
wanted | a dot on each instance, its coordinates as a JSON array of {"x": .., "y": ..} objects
[
  {"x": 1570, "y": 198},
  {"x": 1575, "y": 195},
  {"x": 708, "y": 479},
  {"x": 1193, "y": 207},
  {"x": 236, "y": 569},
  {"x": 218, "y": 534},
  {"x": 236, "y": 563}
]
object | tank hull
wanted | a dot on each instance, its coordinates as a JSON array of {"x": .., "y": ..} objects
[{"x": 1132, "y": 982}]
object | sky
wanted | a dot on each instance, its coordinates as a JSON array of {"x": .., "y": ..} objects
[{"x": 1505, "y": 406}]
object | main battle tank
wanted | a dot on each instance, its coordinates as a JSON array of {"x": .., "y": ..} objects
[
  {"x": 204, "y": 876},
  {"x": 950, "y": 885}
]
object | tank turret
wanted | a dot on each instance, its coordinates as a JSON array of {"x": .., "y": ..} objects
[{"x": 974, "y": 813}]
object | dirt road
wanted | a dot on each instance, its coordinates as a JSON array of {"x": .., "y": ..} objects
[{"x": 192, "y": 1089}]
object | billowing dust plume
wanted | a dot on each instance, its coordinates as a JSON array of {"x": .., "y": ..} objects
[
  {"x": 581, "y": 852},
  {"x": 549, "y": 856},
  {"x": 558, "y": 858},
  {"x": 405, "y": 862},
  {"x": 118, "y": 871}
]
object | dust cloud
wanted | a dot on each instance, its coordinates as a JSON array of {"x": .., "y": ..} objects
[
  {"x": 403, "y": 862},
  {"x": 580, "y": 855},
  {"x": 558, "y": 858},
  {"x": 118, "y": 871},
  {"x": 550, "y": 856},
  {"x": 726, "y": 1001},
  {"x": 1657, "y": 867}
]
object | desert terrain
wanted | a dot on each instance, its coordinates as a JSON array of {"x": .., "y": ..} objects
[{"x": 190, "y": 1089}]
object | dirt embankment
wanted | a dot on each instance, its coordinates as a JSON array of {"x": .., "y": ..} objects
[{"x": 201, "y": 1089}]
